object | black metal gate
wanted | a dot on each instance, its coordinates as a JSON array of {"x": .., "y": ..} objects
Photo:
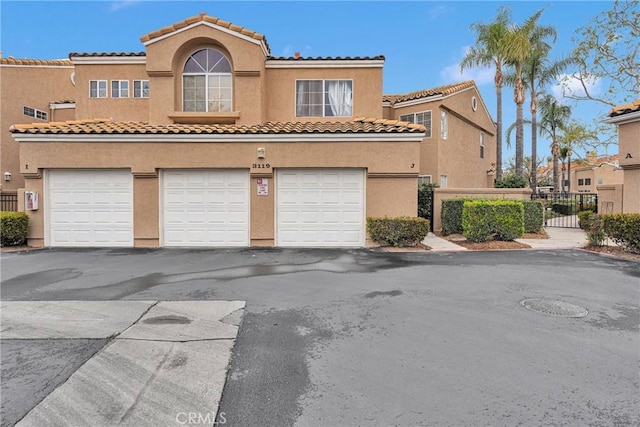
[
  {"x": 561, "y": 209},
  {"x": 425, "y": 202}
]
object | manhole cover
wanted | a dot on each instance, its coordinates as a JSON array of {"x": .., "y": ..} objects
[{"x": 554, "y": 307}]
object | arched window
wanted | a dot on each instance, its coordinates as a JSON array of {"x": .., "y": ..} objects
[{"x": 207, "y": 82}]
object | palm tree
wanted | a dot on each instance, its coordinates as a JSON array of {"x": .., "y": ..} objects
[
  {"x": 489, "y": 51},
  {"x": 553, "y": 118},
  {"x": 521, "y": 41}
]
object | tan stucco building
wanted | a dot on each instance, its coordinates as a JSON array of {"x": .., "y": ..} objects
[
  {"x": 627, "y": 118},
  {"x": 206, "y": 139}
]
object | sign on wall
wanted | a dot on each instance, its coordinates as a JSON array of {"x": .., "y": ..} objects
[{"x": 263, "y": 186}]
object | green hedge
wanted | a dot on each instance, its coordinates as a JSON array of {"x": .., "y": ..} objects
[
  {"x": 399, "y": 231},
  {"x": 425, "y": 200},
  {"x": 502, "y": 218},
  {"x": 14, "y": 227},
  {"x": 584, "y": 219},
  {"x": 533, "y": 216},
  {"x": 452, "y": 215},
  {"x": 564, "y": 207},
  {"x": 623, "y": 229}
]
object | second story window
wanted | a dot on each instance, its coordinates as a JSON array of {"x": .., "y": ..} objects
[
  {"x": 324, "y": 98},
  {"x": 423, "y": 118},
  {"x": 444, "y": 126},
  {"x": 141, "y": 88},
  {"x": 34, "y": 112},
  {"x": 119, "y": 88},
  {"x": 207, "y": 82},
  {"x": 97, "y": 88},
  {"x": 482, "y": 145}
]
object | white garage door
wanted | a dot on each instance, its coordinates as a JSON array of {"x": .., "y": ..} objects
[
  {"x": 205, "y": 207},
  {"x": 90, "y": 207},
  {"x": 320, "y": 207}
]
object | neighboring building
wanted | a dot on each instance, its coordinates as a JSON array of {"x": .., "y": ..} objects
[
  {"x": 459, "y": 148},
  {"x": 595, "y": 171},
  {"x": 627, "y": 117},
  {"x": 206, "y": 139}
]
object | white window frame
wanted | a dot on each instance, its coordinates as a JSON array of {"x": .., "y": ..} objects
[
  {"x": 324, "y": 88},
  {"x": 444, "y": 125},
  {"x": 482, "y": 145},
  {"x": 119, "y": 88},
  {"x": 444, "y": 181},
  {"x": 98, "y": 89},
  {"x": 35, "y": 113},
  {"x": 140, "y": 92},
  {"x": 413, "y": 118},
  {"x": 424, "y": 179},
  {"x": 207, "y": 83}
]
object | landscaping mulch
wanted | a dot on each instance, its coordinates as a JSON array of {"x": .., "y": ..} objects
[{"x": 616, "y": 251}]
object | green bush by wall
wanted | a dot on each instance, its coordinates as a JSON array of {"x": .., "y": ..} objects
[
  {"x": 502, "y": 218},
  {"x": 451, "y": 215},
  {"x": 583, "y": 219},
  {"x": 399, "y": 231},
  {"x": 623, "y": 229},
  {"x": 14, "y": 227},
  {"x": 533, "y": 216}
]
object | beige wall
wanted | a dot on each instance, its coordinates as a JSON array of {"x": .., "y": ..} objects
[
  {"x": 441, "y": 194},
  {"x": 31, "y": 86},
  {"x": 390, "y": 189},
  {"x": 281, "y": 91},
  {"x": 629, "y": 153},
  {"x": 599, "y": 175},
  {"x": 120, "y": 109},
  {"x": 631, "y": 195},
  {"x": 610, "y": 198}
]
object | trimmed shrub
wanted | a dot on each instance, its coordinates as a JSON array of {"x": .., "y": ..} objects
[
  {"x": 502, "y": 218},
  {"x": 564, "y": 207},
  {"x": 477, "y": 220},
  {"x": 508, "y": 219},
  {"x": 594, "y": 229},
  {"x": 452, "y": 215},
  {"x": 399, "y": 231},
  {"x": 14, "y": 227},
  {"x": 533, "y": 216},
  {"x": 583, "y": 219},
  {"x": 512, "y": 181},
  {"x": 623, "y": 229}
]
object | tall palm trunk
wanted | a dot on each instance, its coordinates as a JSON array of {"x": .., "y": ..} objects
[
  {"x": 534, "y": 142},
  {"x": 518, "y": 96},
  {"x": 555, "y": 152},
  {"x": 499, "y": 82}
]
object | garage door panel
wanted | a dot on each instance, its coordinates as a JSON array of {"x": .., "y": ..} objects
[
  {"x": 206, "y": 207},
  {"x": 90, "y": 207},
  {"x": 321, "y": 207}
]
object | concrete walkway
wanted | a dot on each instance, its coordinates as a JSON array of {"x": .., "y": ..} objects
[
  {"x": 167, "y": 361},
  {"x": 559, "y": 238}
]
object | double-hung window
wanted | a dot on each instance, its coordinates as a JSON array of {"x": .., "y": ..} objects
[
  {"x": 141, "y": 88},
  {"x": 324, "y": 98},
  {"x": 119, "y": 88},
  {"x": 444, "y": 125},
  {"x": 97, "y": 88},
  {"x": 423, "y": 118},
  {"x": 35, "y": 113},
  {"x": 482, "y": 145},
  {"x": 207, "y": 82}
]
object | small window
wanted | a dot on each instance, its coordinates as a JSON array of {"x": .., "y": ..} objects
[
  {"x": 97, "y": 88},
  {"x": 119, "y": 88},
  {"x": 423, "y": 118},
  {"x": 482, "y": 145},
  {"x": 444, "y": 126},
  {"x": 424, "y": 179},
  {"x": 474, "y": 103},
  {"x": 581, "y": 181},
  {"x": 324, "y": 98},
  {"x": 443, "y": 181},
  {"x": 35, "y": 113},
  {"x": 141, "y": 88},
  {"x": 600, "y": 181},
  {"x": 587, "y": 181}
]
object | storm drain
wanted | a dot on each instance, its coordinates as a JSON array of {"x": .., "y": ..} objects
[{"x": 554, "y": 307}]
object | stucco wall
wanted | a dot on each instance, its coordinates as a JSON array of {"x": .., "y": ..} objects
[
  {"x": 610, "y": 198},
  {"x": 631, "y": 197}
]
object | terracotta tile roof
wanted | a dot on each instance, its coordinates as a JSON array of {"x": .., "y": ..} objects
[
  {"x": 328, "y": 58},
  {"x": 105, "y": 54},
  {"x": 203, "y": 17},
  {"x": 106, "y": 126},
  {"x": 440, "y": 90},
  {"x": 13, "y": 61},
  {"x": 624, "y": 109}
]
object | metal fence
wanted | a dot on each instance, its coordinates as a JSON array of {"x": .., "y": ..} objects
[
  {"x": 561, "y": 209},
  {"x": 9, "y": 202}
]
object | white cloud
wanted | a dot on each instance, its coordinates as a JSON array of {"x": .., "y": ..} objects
[
  {"x": 437, "y": 11},
  {"x": 289, "y": 50},
  {"x": 451, "y": 73},
  {"x": 568, "y": 85},
  {"x": 115, "y": 6}
]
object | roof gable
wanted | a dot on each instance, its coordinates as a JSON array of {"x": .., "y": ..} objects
[
  {"x": 211, "y": 21},
  {"x": 425, "y": 93}
]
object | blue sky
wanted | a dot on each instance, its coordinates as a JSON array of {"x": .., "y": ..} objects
[{"x": 423, "y": 41}]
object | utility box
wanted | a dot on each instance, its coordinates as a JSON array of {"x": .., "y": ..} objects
[{"x": 30, "y": 201}]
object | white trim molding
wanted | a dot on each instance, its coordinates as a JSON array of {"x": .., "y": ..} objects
[
  {"x": 108, "y": 60},
  {"x": 324, "y": 63},
  {"x": 623, "y": 118}
]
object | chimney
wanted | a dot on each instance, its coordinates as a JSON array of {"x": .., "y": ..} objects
[
  {"x": 297, "y": 54},
  {"x": 591, "y": 157}
]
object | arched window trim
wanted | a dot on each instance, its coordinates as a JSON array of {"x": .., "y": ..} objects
[{"x": 206, "y": 88}]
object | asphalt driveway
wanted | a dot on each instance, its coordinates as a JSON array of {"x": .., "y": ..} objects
[{"x": 340, "y": 337}]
